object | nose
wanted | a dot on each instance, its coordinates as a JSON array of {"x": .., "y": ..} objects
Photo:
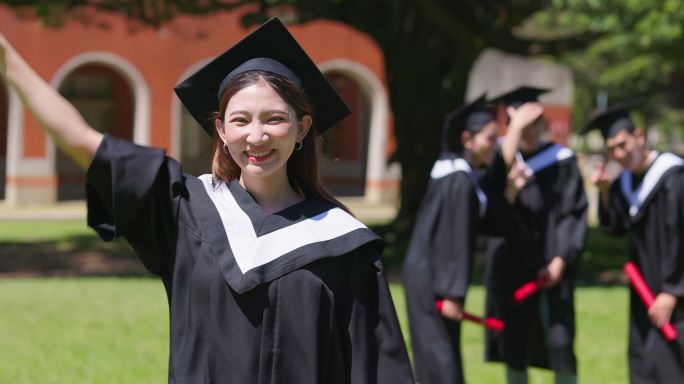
[{"x": 256, "y": 133}]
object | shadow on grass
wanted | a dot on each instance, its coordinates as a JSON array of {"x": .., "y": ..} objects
[
  {"x": 601, "y": 262},
  {"x": 72, "y": 255}
]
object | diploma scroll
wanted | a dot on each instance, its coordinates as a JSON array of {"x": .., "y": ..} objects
[
  {"x": 528, "y": 289},
  {"x": 489, "y": 323},
  {"x": 647, "y": 298}
]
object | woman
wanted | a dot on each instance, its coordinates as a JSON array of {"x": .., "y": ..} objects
[
  {"x": 268, "y": 278},
  {"x": 439, "y": 259}
]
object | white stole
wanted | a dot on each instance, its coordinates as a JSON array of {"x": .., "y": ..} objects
[
  {"x": 445, "y": 167},
  {"x": 637, "y": 197}
]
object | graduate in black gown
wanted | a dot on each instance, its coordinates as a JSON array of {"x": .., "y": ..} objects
[
  {"x": 440, "y": 255},
  {"x": 269, "y": 279},
  {"x": 646, "y": 203},
  {"x": 540, "y": 331}
]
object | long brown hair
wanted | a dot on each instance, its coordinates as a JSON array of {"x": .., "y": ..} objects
[{"x": 302, "y": 166}]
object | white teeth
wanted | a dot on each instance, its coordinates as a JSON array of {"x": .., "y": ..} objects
[{"x": 257, "y": 154}]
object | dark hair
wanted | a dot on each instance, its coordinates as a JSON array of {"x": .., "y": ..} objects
[{"x": 302, "y": 166}]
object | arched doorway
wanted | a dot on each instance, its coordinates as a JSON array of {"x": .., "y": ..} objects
[
  {"x": 106, "y": 101},
  {"x": 195, "y": 145},
  {"x": 4, "y": 118},
  {"x": 345, "y": 147}
]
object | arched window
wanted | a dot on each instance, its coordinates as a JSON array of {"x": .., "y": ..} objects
[
  {"x": 345, "y": 147},
  {"x": 106, "y": 101}
]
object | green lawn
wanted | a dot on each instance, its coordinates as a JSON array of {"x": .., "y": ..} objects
[{"x": 114, "y": 330}]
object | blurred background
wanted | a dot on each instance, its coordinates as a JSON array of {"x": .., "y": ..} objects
[{"x": 400, "y": 66}]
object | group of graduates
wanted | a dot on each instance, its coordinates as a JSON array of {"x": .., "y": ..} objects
[{"x": 527, "y": 196}]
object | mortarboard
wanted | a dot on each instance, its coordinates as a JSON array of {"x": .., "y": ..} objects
[
  {"x": 519, "y": 96},
  {"x": 612, "y": 120},
  {"x": 270, "y": 48},
  {"x": 468, "y": 117}
]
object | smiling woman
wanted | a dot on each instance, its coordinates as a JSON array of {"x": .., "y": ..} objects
[{"x": 268, "y": 277}]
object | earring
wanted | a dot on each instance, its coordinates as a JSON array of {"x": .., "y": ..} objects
[
  {"x": 298, "y": 145},
  {"x": 225, "y": 148}
]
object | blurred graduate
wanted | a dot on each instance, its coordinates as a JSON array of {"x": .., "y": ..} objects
[
  {"x": 439, "y": 260},
  {"x": 646, "y": 202},
  {"x": 540, "y": 330}
]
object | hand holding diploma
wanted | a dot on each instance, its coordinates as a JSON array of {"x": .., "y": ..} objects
[
  {"x": 549, "y": 276},
  {"x": 528, "y": 289},
  {"x": 489, "y": 323},
  {"x": 657, "y": 309}
]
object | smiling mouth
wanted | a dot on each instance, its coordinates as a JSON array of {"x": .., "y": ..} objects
[{"x": 258, "y": 156}]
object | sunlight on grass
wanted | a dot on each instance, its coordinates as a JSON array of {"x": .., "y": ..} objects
[
  {"x": 112, "y": 330},
  {"x": 35, "y": 230}
]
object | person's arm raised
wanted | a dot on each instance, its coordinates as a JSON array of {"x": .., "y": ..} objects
[
  {"x": 520, "y": 119},
  {"x": 54, "y": 113}
]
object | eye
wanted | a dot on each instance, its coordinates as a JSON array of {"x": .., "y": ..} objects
[
  {"x": 276, "y": 119},
  {"x": 238, "y": 120}
]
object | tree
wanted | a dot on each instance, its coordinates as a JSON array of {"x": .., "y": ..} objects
[
  {"x": 637, "y": 52},
  {"x": 429, "y": 47}
]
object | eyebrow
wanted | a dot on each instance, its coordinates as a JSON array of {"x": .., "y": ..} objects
[{"x": 270, "y": 111}]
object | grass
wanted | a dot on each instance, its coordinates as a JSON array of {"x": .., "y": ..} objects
[
  {"x": 48, "y": 230},
  {"x": 113, "y": 330},
  {"x": 601, "y": 344},
  {"x": 83, "y": 330}
]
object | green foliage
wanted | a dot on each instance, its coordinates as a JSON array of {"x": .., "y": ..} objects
[{"x": 637, "y": 51}]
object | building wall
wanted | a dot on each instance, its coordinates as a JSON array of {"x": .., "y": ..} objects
[
  {"x": 497, "y": 72},
  {"x": 152, "y": 61}
]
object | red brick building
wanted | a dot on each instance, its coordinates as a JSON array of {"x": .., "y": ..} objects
[{"x": 120, "y": 76}]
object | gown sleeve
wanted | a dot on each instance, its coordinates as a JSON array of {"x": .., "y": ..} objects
[
  {"x": 133, "y": 191},
  {"x": 672, "y": 265},
  {"x": 571, "y": 221},
  {"x": 453, "y": 250},
  {"x": 613, "y": 217}
]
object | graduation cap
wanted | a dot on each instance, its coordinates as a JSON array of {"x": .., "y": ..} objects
[
  {"x": 468, "y": 117},
  {"x": 519, "y": 96},
  {"x": 270, "y": 48},
  {"x": 613, "y": 120}
]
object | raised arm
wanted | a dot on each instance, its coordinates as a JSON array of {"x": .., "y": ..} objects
[
  {"x": 54, "y": 113},
  {"x": 520, "y": 119}
]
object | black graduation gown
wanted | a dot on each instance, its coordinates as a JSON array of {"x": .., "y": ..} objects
[
  {"x": 540, "y": 331},
  {"x": 438, "y": 264},
  {"x": 294, "y": 297},
  {"x": 654, "y": 223}
]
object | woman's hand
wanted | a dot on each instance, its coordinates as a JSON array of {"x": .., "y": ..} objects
[
  {"x": 553, "y": 272},
  {"x": 661, "y": 310},
  {"x": 516, "y": 179},
  {"x": 452, "y": 309}
]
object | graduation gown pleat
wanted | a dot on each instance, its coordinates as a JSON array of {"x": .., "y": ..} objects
[
  {"x": 298, "y": 296},
  {"x": 540, "y": 331},
  {"x": 655, "y": 231}
]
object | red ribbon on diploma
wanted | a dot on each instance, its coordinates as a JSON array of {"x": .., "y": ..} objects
[
  {"x": 528, "y": 289},
  {"x": 489, "y": 323},
  {"x": 646, "y": 296}
]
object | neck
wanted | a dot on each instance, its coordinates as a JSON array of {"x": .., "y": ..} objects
[
  {"x": 645, "y": 162},
  {"x": 273, "y": 193}
]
